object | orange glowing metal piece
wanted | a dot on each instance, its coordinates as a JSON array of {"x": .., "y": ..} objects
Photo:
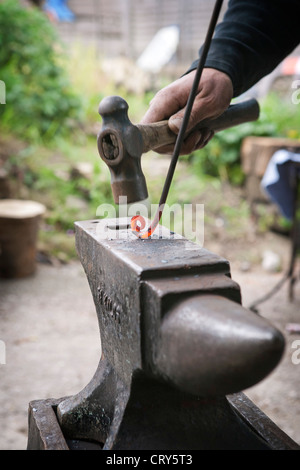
[{"x": 138, "y": 223}]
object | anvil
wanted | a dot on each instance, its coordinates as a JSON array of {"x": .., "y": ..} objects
[{"x": 178, "y": 349}]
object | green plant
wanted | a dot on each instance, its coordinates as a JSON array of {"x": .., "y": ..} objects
[{"x": 40, "y": 102}]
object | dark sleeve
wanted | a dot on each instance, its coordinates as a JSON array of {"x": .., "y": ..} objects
[{"x": 253, "y": 38}]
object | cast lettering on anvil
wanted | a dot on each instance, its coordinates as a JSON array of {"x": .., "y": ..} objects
[
  {"x": 110, "y": 307},
  {"x": 155, "y": 459}
]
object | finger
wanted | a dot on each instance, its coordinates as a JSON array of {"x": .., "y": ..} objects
[
  {"x": 195, "y": 141},
  {"x": 163, "y": 105},
  {"x": 203, "y": 108},
  {"x": 192, "y": 142},
  {"x": 154, "y": 114},
  {"x": 207, "y": 135},
  {"x": 169, "y": 100}
]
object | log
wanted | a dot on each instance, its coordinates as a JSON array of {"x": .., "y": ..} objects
[{"x": 19, "y": 223}]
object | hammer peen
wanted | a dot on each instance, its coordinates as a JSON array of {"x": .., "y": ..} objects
[{"x": 121, "y": 143}]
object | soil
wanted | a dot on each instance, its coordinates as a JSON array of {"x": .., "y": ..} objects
[{"x": 49, "y": 327}]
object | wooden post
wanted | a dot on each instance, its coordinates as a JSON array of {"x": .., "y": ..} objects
[{"x": 19, "y": 222}]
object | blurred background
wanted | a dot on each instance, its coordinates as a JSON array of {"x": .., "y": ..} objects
[{"x": 58, "y": 59}]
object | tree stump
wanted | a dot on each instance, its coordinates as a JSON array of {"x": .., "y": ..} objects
[{"x": 19, "y": 223}]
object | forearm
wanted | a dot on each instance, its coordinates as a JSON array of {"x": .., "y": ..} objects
[{"x": 253, "y": 38}]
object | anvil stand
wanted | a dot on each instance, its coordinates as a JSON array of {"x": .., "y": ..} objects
[
  {"x": 290, "y": 275},
  {"x": 140, "y": 396}
]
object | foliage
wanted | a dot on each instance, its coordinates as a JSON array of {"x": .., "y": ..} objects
[
  {"x": 43, "y": 87},
  {"x": 36, "y": 76},
  {"x": 39, "y": 100},
  {"x": 52, "y": 178},
  {"x": 92, "y": 81}
]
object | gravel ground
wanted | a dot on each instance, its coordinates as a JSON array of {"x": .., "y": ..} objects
[{"x": 49, "y": 326}]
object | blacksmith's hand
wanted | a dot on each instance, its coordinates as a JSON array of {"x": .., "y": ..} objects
[{"x": 215, "y": 92}]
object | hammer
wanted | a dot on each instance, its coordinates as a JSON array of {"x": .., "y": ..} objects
[{"x": 121, "y": 144}]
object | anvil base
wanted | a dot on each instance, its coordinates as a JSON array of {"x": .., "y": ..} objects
[{"x": 227, "y": 423}]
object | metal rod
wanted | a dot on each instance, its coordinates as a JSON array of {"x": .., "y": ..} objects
[{"x": 186, "y": 117}]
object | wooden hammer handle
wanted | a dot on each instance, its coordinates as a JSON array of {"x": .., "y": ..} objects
[{"x": 159, "y": 134}]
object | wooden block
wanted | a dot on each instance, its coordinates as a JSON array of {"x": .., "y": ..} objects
[
  {"x": 19, "y": 222},
  {"x": 256, "y": 152}
]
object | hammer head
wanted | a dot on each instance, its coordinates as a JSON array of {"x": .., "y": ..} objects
[{"x": 120, "y": 146}]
